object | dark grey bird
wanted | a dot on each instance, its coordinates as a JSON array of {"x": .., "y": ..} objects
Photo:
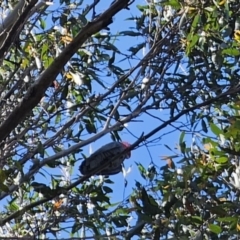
[{"x": 105, "y": 154}]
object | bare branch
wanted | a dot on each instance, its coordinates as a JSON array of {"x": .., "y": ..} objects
[
  {"x": 37, "y": 90},
  {"x": 100, "y": 134}
]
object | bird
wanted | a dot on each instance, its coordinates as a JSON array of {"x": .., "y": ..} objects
[{"x": 105, "y": 154}]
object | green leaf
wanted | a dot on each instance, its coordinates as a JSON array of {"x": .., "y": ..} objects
[
  {"x": 44, "y": 50},
  {"x": 174, "y": 3},
  {"x": 135, "y": 50},
  {"x": 115, "y": 136},
  {"x": 195, "y": 21},
  {"x": 182, "y": 147},
  {"x": 58, "y": 118},
  {"x": 193, "y": 40},
  {"x": 42, "y": 188},
  {"x": 116, "y": 115},
  {"x": 3, "y": 175},
  {"x": 47, "y": 62},
  {"x": 130, "y": 33},
  {"x": 123, "y": 211},
  {"x": 215, "y": 228},
  {"x": 40, "y": 149},
  {"x": 107, "y": 189},
  {"x": 181, "y": 137},
  {"x": 42, "y": 23},
  {"x": 215, "y": 129},
  {"x": 142, "y": 170},
  {"x": 112, "y": 47},
  {"x": 204, "y": 126},
  {"x": 222, "y": 160},
  {"x": 120, "y": 221},
  {"x": 196, "y": 219},
  {"x": 231, "y": 52},
  {"x": 167, "y": 147},
  {"x": 209, "y": 9},
  {"x": 13, "y": 207},
  {"x": 193, "y": 119},
  {"x": 227, "y": 219},
  {"x": 142, "y": 7},
  {"x": 90, "y": 127}
]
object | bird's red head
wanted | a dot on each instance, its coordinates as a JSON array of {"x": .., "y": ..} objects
[{"x": 126, "y": 145}]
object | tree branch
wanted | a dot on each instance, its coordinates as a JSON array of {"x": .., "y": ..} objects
[
  {"x": 37, "y": 90},
  {"x": 11, "y": 31},
  {"x": 86, "y": 177}
]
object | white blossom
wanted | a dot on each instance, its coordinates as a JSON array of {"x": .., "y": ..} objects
[
  {"x": 179, "y": 171},
  {"x": 77, "y": 78},
  {"x": 235, "y": 179},
  {"x": 16, "y": 180},
  {"x": 145, "y": 83},
  {"x": 65, "y": 177},
  {"x": 126, "y": 172}
]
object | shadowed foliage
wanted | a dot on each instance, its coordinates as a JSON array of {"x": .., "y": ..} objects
[{"x": 74, "y": 72}]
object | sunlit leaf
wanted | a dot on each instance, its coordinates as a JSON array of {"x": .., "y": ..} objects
[
  {"x": 215, "y": 228},
  {"x": 215, "y": 129}
]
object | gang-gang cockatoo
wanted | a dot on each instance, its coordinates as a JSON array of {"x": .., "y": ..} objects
[{"x": 105, "y": 154}]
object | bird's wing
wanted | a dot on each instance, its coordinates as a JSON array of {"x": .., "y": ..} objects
[
  {"x": 84, "y": 169},
  {"x": 112, "y": 171}
]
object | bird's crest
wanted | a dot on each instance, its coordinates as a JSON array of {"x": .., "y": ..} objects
[{"x": 126, "y": 144}]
